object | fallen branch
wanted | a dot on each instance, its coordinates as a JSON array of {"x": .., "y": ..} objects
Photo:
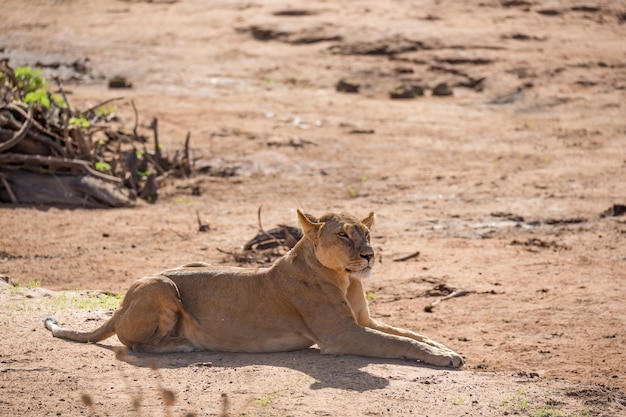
[
  {"x": 92, "y": 108},
  {"x": 132, "y": 102},
  {"x": 26, "y": 115},
  {"x": 53, "y": 162},
  {"x": 270, "y": 238},
  {"x": 282, "y": 236},
  {"x": 202, "y": 227},
  {"x": 7, "y": 187},
  {"x": 21, "y": 134},
  {"x": 67, "y": 111},
  {"x": 79, "y": 190},
  {"x": 186, "y": 163},
  {"x": 456, "y": 293},
  {"x": 407, "y": 257}
]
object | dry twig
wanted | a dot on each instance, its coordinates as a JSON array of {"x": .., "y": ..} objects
[
  {"x": 407, "y": 257},
  {"x": 456, "y": 293}
]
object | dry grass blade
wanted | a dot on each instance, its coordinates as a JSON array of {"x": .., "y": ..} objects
[
  {"x": 225, "y": 405},
  {"x": 169, "y": 397},
  {"x": 87, "y": 401}
]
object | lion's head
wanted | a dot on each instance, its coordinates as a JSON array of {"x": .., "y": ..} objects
[{"x": 341, "y": 241}]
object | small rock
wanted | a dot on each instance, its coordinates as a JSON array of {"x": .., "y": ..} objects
[
  {"x": 614, "y": 211},
  {"x": 549, "y": 12},
  {"x": 441, "y": 90},
  {"x": 357, "y": 131},
  {"x": 403, "y": 70},
  {"x": 344, "y": 86},
  {"x": 119, "y": 81},
  {"x": 407, "y": 91},
  {"x": 586, "y": 8}
]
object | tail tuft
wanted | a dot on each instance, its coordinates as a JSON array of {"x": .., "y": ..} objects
[{"x": 49, "y": 322}]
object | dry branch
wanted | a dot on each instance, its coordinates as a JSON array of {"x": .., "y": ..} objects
[
  {"x": 8, "y": 189},
  {"x": 21, "y": 134},
  {"x": 53, "y": 163},
  {"x": 456, "y": 293},
  {"x": 282, "y": 236},
  {"x": 407, "y": 257}
]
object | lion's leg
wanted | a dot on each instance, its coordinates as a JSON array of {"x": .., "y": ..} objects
[
  {"x": 166, "y": 345},
  {"x": 149, "y": 318},
  {"x": 377, "y": 325},
  {"x": 365, "y": 341},
  {"x": 431, "y": 351}
]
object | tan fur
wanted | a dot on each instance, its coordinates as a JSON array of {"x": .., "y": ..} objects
[{"x": 312, "y": 295}]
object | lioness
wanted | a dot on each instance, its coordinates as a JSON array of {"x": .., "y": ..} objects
[{"x": 311, "y": 295}]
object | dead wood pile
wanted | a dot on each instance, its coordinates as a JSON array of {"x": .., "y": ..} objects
[{"x": 53, "y": 154}]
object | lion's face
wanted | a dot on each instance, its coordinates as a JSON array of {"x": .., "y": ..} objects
[{"x": 342, "y": 242}]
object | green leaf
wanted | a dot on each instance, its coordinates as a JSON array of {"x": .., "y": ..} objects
[
  {"x": 30, "y": 80},
  {"x": 144, "y": 174},
  {"x": 80, "y": 121},
  {"x": 39, "y": 97},
  {"x": 103, "y": 166}
]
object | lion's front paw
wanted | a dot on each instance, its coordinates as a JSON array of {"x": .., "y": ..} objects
[{"x": 456, "y": 361}]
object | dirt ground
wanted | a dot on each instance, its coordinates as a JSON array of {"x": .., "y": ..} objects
[{"x": 509, "y": 188}]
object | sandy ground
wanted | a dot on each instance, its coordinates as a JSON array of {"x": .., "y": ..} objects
[{"x": 501, "y": 187}]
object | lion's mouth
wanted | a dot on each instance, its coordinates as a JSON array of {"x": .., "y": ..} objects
[
  {"x": 356, "y": 270},
  {"x": 365, "y": 269}
]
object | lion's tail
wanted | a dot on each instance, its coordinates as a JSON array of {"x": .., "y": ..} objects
[{"x": 101, "y": 333}]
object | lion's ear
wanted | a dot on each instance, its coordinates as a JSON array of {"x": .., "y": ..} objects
[
  {"x": 369, "y": 220},
  {"x": 308, "y": 223}
]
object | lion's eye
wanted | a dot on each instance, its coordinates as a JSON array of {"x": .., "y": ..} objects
[{"x": 342, "y": 235}]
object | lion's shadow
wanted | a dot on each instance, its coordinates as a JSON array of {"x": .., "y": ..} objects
[{"x": 328, "y": 371}]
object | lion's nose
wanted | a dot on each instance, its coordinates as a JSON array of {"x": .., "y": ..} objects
[{"x": 367, "y": 256}]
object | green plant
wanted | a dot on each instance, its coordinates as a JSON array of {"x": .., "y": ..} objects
[
  {"x": 105, "y": 110},
  {"x": 547, "y": 411},
  {"x": 103, "y": 166},
  {"x": 38, "y": 98},
  {"x": 31, "y": 283},
  {"x": 80, "y": 122},
  {"x": 144, "y": 174},
  {"x": 516, "y": 403},
  {"x": 265, "y": 400},
  {"x": 94, "y": 301},
  {"x": 354, "y": 191},
  {"x": 29, "y": 80},
  {"x": 35, "y": 88},
  {"x": 184, "y": 200},
  {"x": 90, "y": 301}
]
